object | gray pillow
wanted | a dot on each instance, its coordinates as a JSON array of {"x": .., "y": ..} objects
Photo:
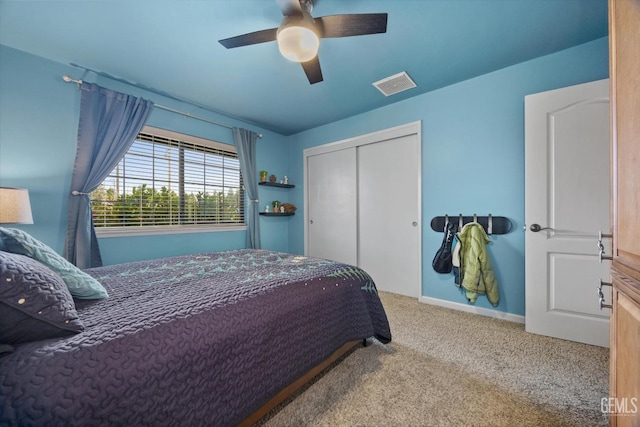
[
  {"x": 79, "y": 283},
  {"x": 34, "y": 302}
]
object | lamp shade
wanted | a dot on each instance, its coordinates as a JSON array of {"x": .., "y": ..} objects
[{"x": 15, "y": 207}]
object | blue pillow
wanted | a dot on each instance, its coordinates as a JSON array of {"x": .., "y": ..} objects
[
  {"x": 79, "y": 283},
  {"x": 35, "y": 303}
]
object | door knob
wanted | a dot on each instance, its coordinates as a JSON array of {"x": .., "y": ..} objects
[{"x": 536, "y": 227}]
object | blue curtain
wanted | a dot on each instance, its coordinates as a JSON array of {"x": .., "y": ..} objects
[
  {"x": 245, "y": 142},
  {"x": 109, "y": 123}
]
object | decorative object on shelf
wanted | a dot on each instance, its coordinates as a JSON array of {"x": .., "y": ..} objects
[
  {"x": 279, "y": 209},
  {"x": 263, "y": 176},
  {"x": 286, "y": 180},
  {"x": 288, "y": 207},
  {"x": 273, "y": 178}
]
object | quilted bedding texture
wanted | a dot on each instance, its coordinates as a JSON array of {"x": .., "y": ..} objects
[{"x": 194, "y": 340}]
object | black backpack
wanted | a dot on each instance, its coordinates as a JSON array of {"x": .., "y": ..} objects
[{"x": 442, "y": 261}]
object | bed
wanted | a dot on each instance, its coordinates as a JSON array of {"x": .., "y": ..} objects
[{"x": 209, "y": 339}]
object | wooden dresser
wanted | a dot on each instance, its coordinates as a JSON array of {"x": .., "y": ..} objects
[{"x": 624, "y": 39}]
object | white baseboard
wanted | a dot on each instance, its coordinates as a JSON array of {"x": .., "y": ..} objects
[{"x": 472, "y": 309}]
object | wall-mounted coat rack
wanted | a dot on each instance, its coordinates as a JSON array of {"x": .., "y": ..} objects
[{"x": 491, "y": 224}]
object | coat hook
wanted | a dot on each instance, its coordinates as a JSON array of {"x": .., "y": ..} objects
[
  {"x": 490, "y": 225},
  {"x": 502, "y": 224}
]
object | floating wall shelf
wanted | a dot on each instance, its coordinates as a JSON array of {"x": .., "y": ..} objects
[
  {"x": 277, "y": 213},
  {"x": 276, "y": 184}
]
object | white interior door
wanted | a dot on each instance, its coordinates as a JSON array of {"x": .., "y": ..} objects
[
  {"x": 567, "y": 189},
  {"x": 332, "y": 206},
  {"x": 388, "y": 180}
]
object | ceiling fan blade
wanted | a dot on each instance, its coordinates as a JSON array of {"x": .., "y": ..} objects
[
  {"x": 289, "y": 7},
  {"x": 250, "y": 38},
  {"x": 312, "y": 70},
  {"x": 352, "y": 25}
]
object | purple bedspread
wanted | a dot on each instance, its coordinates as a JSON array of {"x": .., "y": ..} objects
[{"x": 192, "y": 340}]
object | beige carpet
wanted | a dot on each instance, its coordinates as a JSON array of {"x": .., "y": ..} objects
[{"x": 449, "y": 368}]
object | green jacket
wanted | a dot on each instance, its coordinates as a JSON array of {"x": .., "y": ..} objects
[{"x": 477, "y": 276}]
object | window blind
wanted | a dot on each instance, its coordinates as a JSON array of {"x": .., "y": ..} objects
[{"x": 167, "y": 182}]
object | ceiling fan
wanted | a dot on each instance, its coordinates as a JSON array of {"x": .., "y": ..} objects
[{"x": 299, "y": 34}]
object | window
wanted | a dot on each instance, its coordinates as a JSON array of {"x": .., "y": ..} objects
[{"x": 170, "y": 182}]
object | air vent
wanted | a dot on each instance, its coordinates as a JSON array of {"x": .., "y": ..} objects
[{"x": 394, "y": 84}]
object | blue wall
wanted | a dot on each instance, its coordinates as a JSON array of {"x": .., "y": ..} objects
[
  {"x": 38, "y": 131},
  {"x": 472, "y": 157}
]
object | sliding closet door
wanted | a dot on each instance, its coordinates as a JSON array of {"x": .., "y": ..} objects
[
  {"x": 363, "y": 205},
  {"x": 388, "y": 193},
  {"x": 332, "y": 206}
]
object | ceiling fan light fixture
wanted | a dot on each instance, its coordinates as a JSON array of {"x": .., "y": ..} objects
[
  {"x": 299, "y": 34},
  {"x": 298, "y": 42}
]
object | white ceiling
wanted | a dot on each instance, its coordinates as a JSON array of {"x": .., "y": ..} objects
[{"x": 171, "y": 47}]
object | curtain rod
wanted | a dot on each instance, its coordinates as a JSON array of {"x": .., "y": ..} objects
[{"x": 162, "y": 107}]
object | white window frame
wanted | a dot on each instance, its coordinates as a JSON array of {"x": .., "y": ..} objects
[{"x": 130, "y": 231}]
